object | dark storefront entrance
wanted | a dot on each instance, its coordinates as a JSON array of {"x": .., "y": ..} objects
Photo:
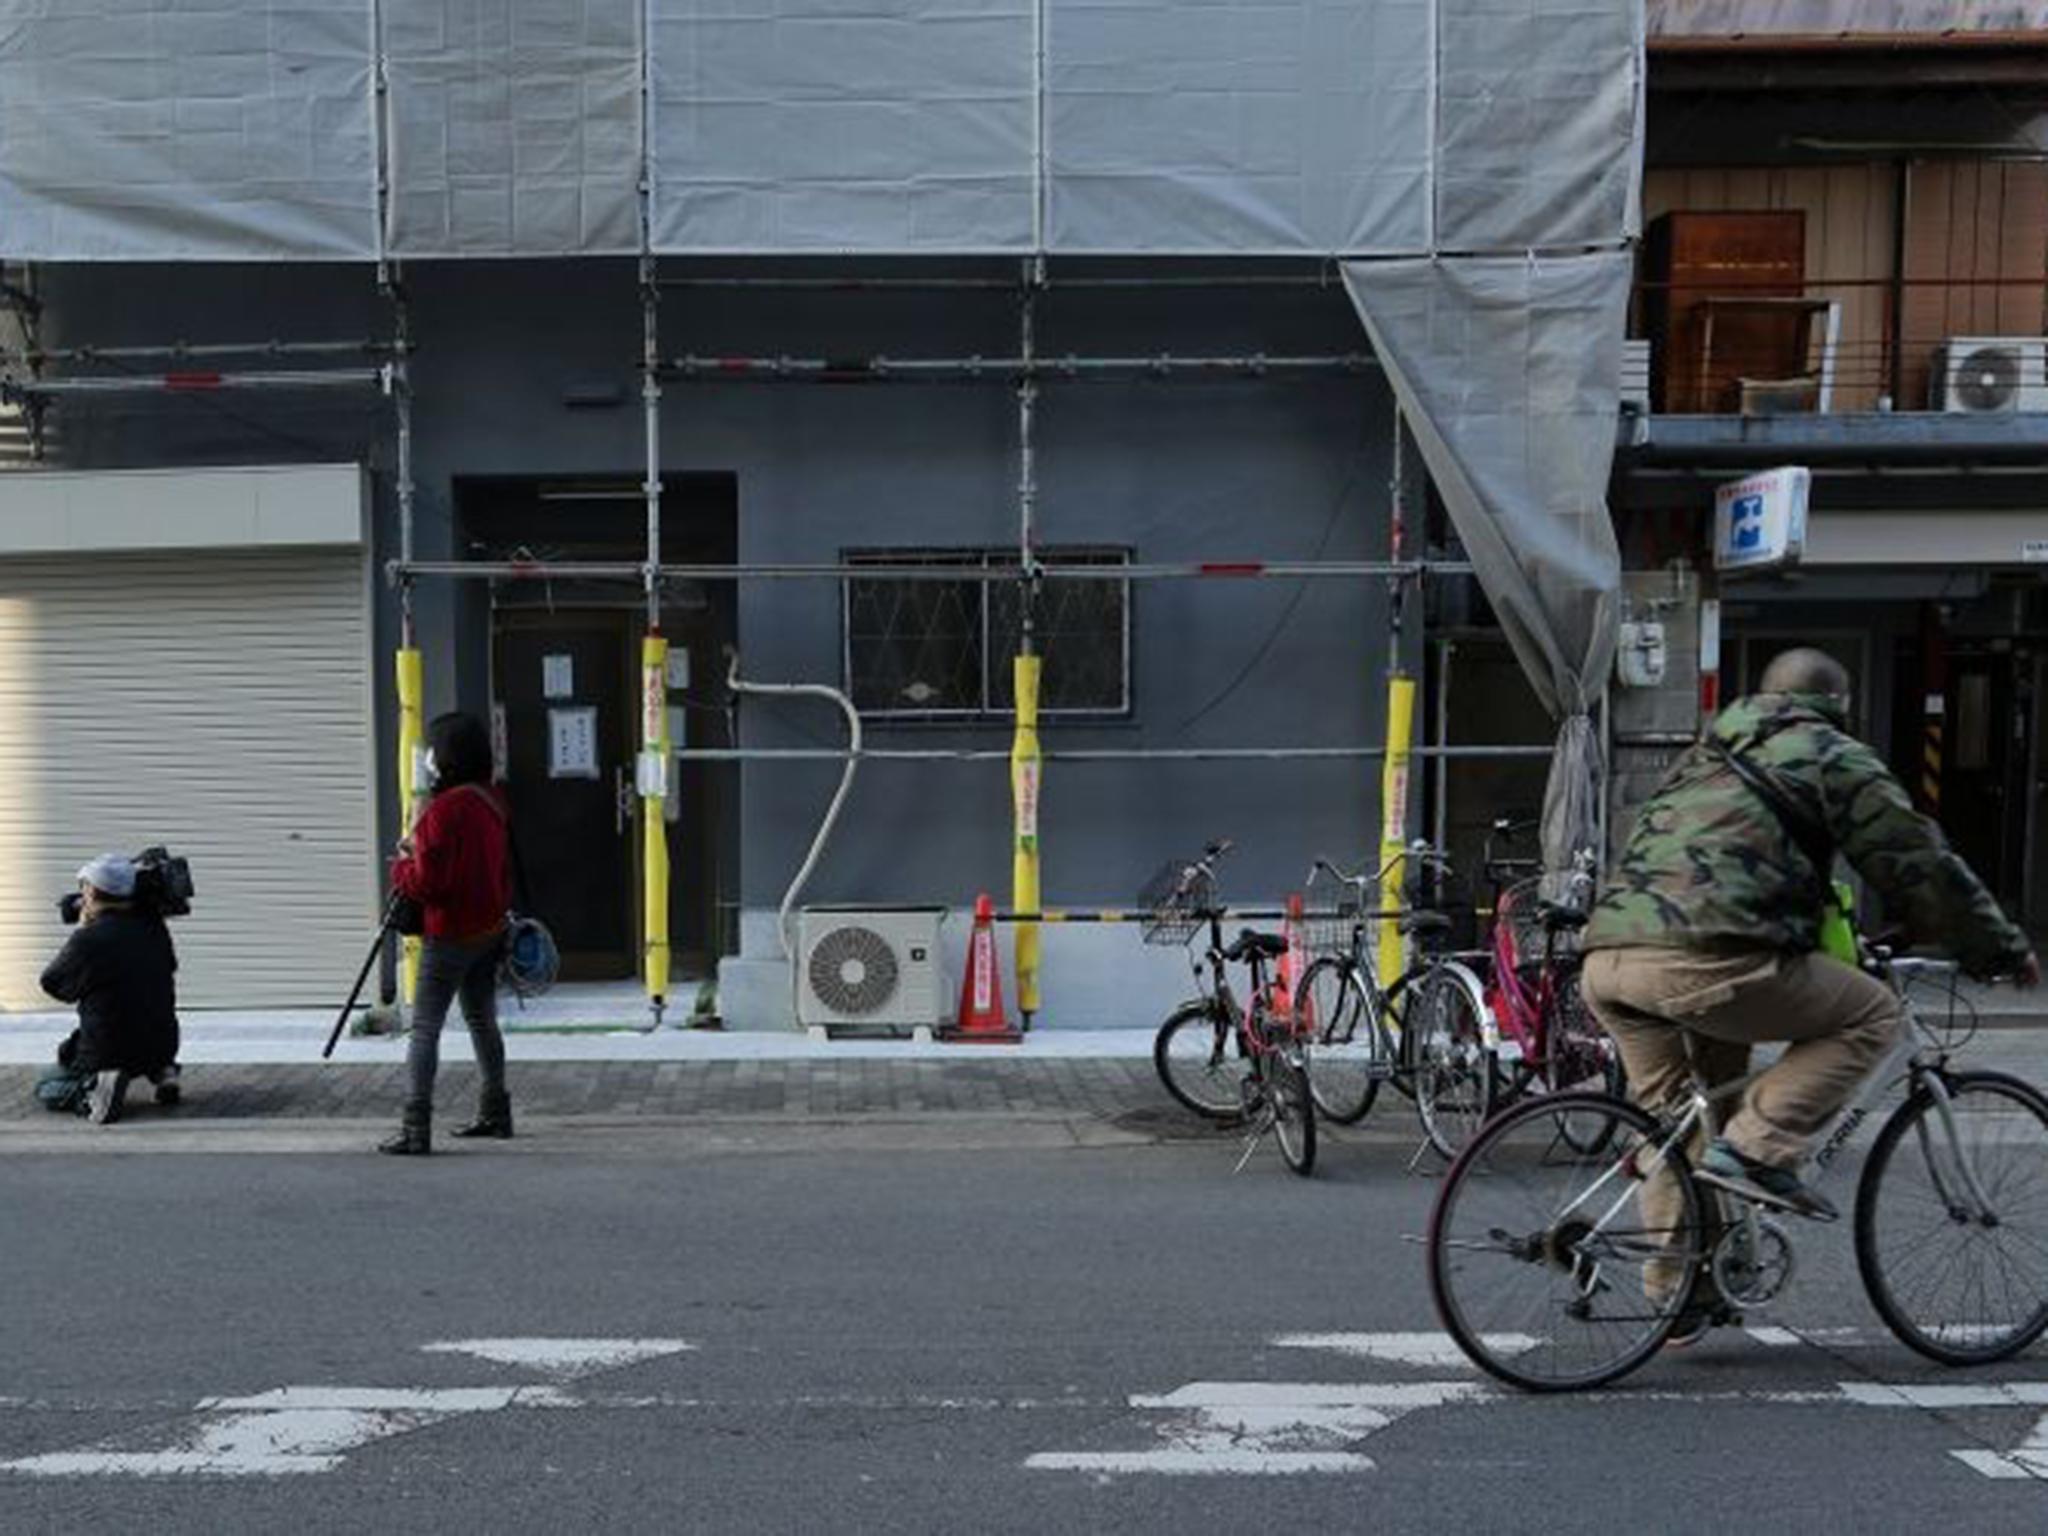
[{"x": 564, "y": 668}]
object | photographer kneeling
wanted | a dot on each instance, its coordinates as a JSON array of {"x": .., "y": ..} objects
[{"x": 120, "y": 968}]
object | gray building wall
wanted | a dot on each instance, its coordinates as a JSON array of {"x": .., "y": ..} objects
[{"x": 1222, "y": 470}]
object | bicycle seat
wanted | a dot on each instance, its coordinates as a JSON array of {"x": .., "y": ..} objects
[
  {"x": 1425, "y": 922},
  {"x": 1563, "y": 919},
  {"x": 1250, "y": 942}
]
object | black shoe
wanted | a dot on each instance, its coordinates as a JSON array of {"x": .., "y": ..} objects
[
  {"x": 414, "y": 1138},
  {"x": 1699, "y": 1319},
  {"x": 109, "y": 1092},
  {"x": 168, "y": 1092},
  {"x": 1725, "y": 1168},
  {"x": 493, "y": 1120}
]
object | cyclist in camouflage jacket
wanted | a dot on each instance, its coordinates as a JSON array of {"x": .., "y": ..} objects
[{"x": 1710, "y": 924}]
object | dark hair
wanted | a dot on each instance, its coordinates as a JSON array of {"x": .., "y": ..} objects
[{"x": 461, "y": 748}]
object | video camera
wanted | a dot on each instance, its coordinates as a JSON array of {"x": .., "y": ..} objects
[{"x": 163, "y": 886}]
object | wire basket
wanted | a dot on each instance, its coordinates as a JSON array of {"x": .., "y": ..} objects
[
  {"x": 1176, "y": 903},
  {"x": 1521, "y": 906},
  {"x": 1329, "y": 914},
  {"x": 1942, "y": 1008}
]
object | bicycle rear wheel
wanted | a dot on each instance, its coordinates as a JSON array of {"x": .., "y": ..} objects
[
  {"x": 1293, "y": 1109},
  {"x": 1962, "y": 1283},
  {"x": 1350, "y": 1053},
  {"x": 1542, "y": 1262},
  {"x": 1453, "y": 1071},
  {"x": 1201, "y": 1060}
]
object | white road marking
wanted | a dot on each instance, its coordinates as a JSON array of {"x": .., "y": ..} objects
[
  {"x": 290, "y": 1431},
  {"x": 1428, "y": 1349},
  {"x": 1400, "y": 1396},
  {"x": 563, "y": 1357},
  {"x": 1199, "y": 1463}
]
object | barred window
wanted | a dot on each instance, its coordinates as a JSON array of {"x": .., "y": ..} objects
[{"x": 937, "y": 648}]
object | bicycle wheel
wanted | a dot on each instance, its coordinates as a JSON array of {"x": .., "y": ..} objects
[
  {"x": 1452, "y": 1069},
  {"x": 1543, "y": 1263},
  {"x": 1960, "y": 1282},
  {"x": 1292, "y": 1106},
  {"x": 1202, "y": 1062},
  {"x": 1350, "y": 1053}
]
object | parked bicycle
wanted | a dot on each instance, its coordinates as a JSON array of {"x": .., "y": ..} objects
[
  {"x": 1548, "y": 1041},
  {"x": 1229, "y": 1061},
  {"x": 1547, "y": 1271},
  {"x": 1427, "y": 1033}
]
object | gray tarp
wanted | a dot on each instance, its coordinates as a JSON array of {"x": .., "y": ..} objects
[
  {"x": 514, "y": 127},
  {"x": 245, "y": 129},
  {"x": 1508, "y": 371}
]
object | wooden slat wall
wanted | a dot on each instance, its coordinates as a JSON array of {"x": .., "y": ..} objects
[{"x": 1972, "y": 220}]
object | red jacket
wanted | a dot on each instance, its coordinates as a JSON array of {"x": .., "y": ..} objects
[{"x": 460, "y": 868}]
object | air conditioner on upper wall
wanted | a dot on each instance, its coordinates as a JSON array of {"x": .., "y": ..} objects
[
  {"x": 868, "y": 967},
  {"x": 1991, "y": 375}
]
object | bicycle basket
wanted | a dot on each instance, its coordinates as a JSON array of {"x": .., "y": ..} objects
[
  {"x": 1176, "y": 902},
  {"x": 1521, "y": 907},
  {"x": 1329, "y": 914},
  {"x": 1942, "y": 1008}
]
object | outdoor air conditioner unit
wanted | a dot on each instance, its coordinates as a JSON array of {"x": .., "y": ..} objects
[
  {"x": 1990, "y": 375},
  {"x": 868, "y": 967}
]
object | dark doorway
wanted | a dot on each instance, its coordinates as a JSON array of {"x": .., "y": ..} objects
[
  {"x": 1983, "y": 781},
  {"x": 563, "y": 685},
  {"x": 579, "y": 814}
]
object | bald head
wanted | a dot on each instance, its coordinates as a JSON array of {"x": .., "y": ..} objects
[{"x": 1805, "y": 671}]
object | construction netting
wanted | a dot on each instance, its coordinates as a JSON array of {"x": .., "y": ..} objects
[{"x": 258, "y": 129}]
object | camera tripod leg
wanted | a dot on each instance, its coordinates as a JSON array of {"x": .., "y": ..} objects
[{"x": 362, "y": 976}]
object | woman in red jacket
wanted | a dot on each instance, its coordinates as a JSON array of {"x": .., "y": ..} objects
[{"x": 456, "y": 865}]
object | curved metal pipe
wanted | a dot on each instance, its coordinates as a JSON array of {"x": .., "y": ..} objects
[{"x": 853, "y": 755}]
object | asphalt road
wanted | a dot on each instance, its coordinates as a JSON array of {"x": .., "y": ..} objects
[{"x": 972, "y": 1333}]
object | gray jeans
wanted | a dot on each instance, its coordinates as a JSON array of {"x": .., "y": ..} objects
[{"x": 448, "y": 971}]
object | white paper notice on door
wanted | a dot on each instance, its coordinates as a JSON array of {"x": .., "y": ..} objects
[
  {"x": 558, "y": 677},
  {"x": 572, "y": 743}
]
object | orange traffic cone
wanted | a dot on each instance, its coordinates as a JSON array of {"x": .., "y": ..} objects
[
  {"x": 981, "y": 1020},
  {"x": 1293, "y": 963}
]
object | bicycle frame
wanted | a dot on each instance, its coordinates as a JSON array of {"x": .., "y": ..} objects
[{"x": 1916, "y": 1055}]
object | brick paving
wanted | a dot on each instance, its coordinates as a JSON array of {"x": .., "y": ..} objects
[{"x": 771, "y": 1089}]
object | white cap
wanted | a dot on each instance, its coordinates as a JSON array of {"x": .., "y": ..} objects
[{"x": 113, "y": 874}]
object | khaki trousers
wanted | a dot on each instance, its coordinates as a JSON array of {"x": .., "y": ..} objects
[{"x": 1840, "y": 1023}]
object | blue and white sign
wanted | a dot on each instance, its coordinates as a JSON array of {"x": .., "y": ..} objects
[{"x": 1760, "y": 521}]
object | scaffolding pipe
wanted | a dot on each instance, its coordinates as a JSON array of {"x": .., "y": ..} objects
[
  {"x": 1002, "y": 284},
  {"x": 204, "y": 382},
  {"x": 1096, "y": 755},
  {"x": 1026, "y": 758},
  {"x": 620, "y": 570},
  {"x": 184, "y": 349},
  {"x": 899, "y": 370}
]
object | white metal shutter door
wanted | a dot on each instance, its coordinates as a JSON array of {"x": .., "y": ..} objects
[{"x": 218, "y": 703}]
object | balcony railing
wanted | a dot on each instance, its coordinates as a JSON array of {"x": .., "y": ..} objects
[{"x": 1954, "y": 344}]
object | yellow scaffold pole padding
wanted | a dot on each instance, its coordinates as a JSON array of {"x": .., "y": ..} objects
[
  {"x": 1394, "y": 818},
  {"x": 411, "y": 750},
  {"x": 655, "y": 767},
  {"x": 1025, "y": 768}
]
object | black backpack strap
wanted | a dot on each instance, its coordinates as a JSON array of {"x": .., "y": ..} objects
[{"x": 1810, "y": 839}]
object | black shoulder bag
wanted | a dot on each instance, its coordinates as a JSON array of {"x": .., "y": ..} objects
[{"x": 1837, "y": 928}]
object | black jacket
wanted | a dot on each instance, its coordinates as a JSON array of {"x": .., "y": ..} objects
[{"x": 120, "y": 970}]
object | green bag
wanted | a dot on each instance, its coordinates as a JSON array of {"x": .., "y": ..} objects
[{"x": 1838, "y": 925}]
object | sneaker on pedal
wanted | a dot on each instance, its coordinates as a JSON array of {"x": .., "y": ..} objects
[
  {"x": 1725, "y": 1168},
  {"x": 103, "y": 1103}
]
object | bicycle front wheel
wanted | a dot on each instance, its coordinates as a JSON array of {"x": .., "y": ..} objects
[
  {"x": 1350, "y": 1053},
  {"x": 1201, "y": 1060},
  {"x": 1952, "y": 1220},
  {"x": 1452, "y": 1070},
  {"x": 1557, "y": 1270},
  {"x": 1293, "y": 1110}
]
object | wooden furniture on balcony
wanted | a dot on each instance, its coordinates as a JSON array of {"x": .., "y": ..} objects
[{"x": 1692, "y": 257}]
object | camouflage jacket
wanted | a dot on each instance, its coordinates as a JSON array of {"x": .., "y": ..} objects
[{"x": 1709, "y": 864}]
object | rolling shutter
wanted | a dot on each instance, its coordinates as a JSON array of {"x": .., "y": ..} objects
[{"x": 217, "y": 702}]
